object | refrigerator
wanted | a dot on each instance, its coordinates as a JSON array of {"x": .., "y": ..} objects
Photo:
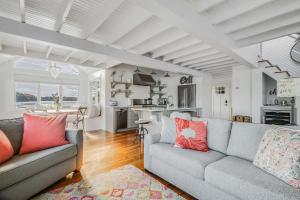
[{"x": 187, "y": 96}]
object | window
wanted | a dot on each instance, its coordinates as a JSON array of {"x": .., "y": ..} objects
[
  {"x": 31, "y": 95},
  {"x": 70, "y": 95},
  {"x": 47, "y": 92},
  {"x": 26, "y": 94}
]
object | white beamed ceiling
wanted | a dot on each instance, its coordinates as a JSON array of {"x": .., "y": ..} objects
[{"x": 196, "y": 35}]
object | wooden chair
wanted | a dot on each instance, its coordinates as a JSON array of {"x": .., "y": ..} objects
[{"x": 80, "y": 118}]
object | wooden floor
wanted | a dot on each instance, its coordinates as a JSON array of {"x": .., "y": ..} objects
[{"x": 105, "y": 151}]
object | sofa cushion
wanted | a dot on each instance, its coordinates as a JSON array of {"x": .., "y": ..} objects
[
  {"x": 21, "y": 167},
  {"x": 189, "y": 161},
  {"x": 245, "y": 139},
  {"x": 218, "y": 133},
  {"x": 240, "y": 178},
  {"x": 13, "y": 128}
]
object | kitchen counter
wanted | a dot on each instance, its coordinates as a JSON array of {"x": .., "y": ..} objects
[
  {"x": 161, "y": 109},
  {"x": 155, "y": 113}
]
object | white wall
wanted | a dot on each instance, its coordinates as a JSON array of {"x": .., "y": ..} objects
[
  {"x": 241, "y": 91},
  {"x": 204, "y": 94}
]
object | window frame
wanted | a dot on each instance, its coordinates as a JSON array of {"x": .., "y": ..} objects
[{"x": 39, "y": 100}]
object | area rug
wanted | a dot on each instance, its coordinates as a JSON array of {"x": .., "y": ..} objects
[{"x": 125, "y": 183}]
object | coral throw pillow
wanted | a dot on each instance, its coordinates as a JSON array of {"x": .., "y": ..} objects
[
  {"x": 279, "y": 154},
  {"x": 191, "y": 134},
  {"x": 43, "y": 132},
  {"x": 6, "y": 149}
]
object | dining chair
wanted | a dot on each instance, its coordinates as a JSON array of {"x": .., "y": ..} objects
[{"x": 80, "y": 117}]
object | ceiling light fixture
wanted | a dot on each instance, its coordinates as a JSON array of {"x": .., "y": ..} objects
[
  {"x": 54, "y": 70},
  {"x": 167, "y": 75}
]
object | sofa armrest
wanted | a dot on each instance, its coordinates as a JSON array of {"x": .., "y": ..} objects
[
  {"x": 75, "y": 136},
  {"x": 150, "y": 139}
]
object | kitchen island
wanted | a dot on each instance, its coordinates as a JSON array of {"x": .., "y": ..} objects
[{"x": 155, "y": 113}]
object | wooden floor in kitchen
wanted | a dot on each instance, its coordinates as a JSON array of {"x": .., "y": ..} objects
[{"x": 105, "y": 151}]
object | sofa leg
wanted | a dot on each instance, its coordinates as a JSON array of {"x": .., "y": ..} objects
[{"x": 77, "y": 170}]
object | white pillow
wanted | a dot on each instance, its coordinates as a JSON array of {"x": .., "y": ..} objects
[
  {"x": 186, "y": 116},
  {"x": 168, "y": 132}
]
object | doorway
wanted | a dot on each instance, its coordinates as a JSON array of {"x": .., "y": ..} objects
[{"x": 221, "y": 101}]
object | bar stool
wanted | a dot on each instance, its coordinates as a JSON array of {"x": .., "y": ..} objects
[{"x": 142, "y": 130}]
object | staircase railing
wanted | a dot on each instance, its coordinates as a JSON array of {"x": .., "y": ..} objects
[{"x": 270, "y": 65}]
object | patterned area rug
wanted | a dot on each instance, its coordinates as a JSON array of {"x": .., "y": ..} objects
[{"x": 126, "y": 183}]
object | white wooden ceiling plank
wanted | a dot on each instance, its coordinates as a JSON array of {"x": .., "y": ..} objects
[
  {"x": 68, "y": 56},
  {"x": 206, "y": 59},
  {"x": 63, "y": 12},
  {"x": 51, "y": 37},
  {"x": 259, "y": 15},
  {"x": 233, "y": 8},
  {"x": 275, "y": 23},
  {"x": 108, "y": 7},
  {"x": 149, "y": 29},
  {"x": 214, "y": 61},
  {"x": 22, "y": 10},
  {"x": 159, "y": 40},
  {"x": 203, "y": 5},
  {"x": 199, "y": 54},
  {"x": 182, "y": 15},
  {"x": 175, "y": 46},
  {"x": 218, "y": 67},
  {"x": 217, "y": 64},
  {"x": 269, "y": 35},
  {"x": 187, "y": 51}
]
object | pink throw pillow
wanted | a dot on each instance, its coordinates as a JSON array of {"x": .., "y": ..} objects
[
  {"x": 43, "y": 132},
  {"x": 6, "y": 149},
  {"x": 191, "y": 135}
]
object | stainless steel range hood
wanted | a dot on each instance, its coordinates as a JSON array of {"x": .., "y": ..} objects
[{"x": 143, "y": 79}]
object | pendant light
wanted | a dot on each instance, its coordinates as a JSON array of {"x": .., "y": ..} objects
[
  {"x": 137, "y": 70},
  {"x": 167, "y": 75}
]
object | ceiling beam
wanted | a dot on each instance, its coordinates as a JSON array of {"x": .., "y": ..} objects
[
  {"x": 108, "y": 7},
  {"x": 22, "y": 10},
  {"x": 50, "y": 48},
  {"x": 232, "y": 9},
  {"x": 198, "y": 54},
  {"x": 65, "y": 41},
  {"x": 68, "y": 56},
  {"x": 220, "y": 70},
  {"x": 182, "y": 15},
  {"x": 39, "y": 55},
  {"x": 187, "y": 51},
  {"x": 217, "y": 65},
  {"x": 82, "y": 61},
  {"x": 25, "y": 47},
  {"x": 215, "y": 61},
  {"x": 175, "y": 46},
  {"x": 206, "y": 59},
  {"x": 202, "y": 6},
  {"x": 269, "y": 35},
  {"x": 63, "y": 12}
]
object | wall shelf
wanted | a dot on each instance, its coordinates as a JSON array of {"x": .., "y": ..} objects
[
  {"x": 117, "y": 91},
  {"x": 114, "y": 83}
]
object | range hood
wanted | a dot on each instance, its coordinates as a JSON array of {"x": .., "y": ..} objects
[{"x": 143, "y": 79}]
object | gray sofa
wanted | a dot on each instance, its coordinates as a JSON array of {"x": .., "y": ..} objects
[
  {"x": 225, "y": 172},
  {"x": 25, "y": 175}
]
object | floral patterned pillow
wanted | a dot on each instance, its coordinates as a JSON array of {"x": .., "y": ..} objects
[
  {"x": 191, "y": 135},
  {"x": 279, "y": 154}
]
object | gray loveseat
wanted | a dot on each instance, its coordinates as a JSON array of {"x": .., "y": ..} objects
[
  {"x": 25, "y": 175},
  {"x": 225, "y": 172}
]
